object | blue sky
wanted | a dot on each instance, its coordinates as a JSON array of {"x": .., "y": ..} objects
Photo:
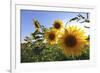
[{"x": 45, "y": 18}]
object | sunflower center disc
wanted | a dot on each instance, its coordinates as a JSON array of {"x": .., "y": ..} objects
[
  {"x": 51, "y": 36},
  {"x": 70, "y": 41},
  {"x": 57, "y": 25}
]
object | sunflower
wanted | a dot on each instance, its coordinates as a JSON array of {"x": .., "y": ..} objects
[
  {"x": 73, "y": 41},
  {"x": 36, "y": 24},
  {"x": 58, "y": 24},
  {"x": 51, "y": 36}
]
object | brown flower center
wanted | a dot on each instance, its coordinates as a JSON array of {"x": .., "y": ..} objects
[
  {"x": 70, "y": 41},
  {"x": 57, "y": 25},
  {"x": 51, "y": 36}
]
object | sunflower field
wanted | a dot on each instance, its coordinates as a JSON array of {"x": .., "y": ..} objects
[{"x": 60, "y": 42}]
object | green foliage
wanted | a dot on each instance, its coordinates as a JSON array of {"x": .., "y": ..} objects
[{"x": 40, "y": 52}]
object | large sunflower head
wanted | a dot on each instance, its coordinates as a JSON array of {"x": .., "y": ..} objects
[
  {"x": 51, "y": 36},
  {"x": 58, "y": 24},
  {"x": 73, "y": 41}
]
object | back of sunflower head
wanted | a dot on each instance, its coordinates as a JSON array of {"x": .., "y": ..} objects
[{"x": 36, "y": 24}]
